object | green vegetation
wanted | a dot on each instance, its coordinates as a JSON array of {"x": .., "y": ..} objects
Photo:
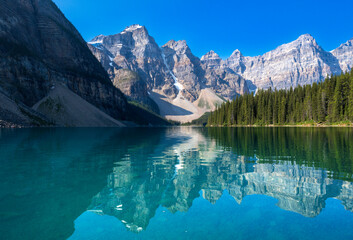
[
  {"x": 126, "y": 75},
  {"x": 153, "y": 107},
  {"x": 203, "y": 104},
  {"x": 52, "y": 105},
  {"x": 329, "y": 102},
  {"x": 326, "y": 148},
  {"x": 201, "y": 121}
]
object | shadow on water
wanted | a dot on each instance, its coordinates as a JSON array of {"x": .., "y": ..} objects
[{"x": 52, "y": 176}]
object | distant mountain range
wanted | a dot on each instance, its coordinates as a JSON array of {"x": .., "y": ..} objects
[{"x": 184, "y": 86}]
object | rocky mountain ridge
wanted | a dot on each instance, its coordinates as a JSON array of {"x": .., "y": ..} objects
[
  {"x": 299, "y": 62},
  {"x": 177, "y": 77},
  {"x": 344, "y": 55}
]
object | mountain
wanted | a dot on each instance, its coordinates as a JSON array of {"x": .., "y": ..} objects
[
  {"x": 134, "y": 50},
  {"x": 344, "y": 54},
  {"x": 66, "y": 108},
  {"x": 300, "y": 62},
  {"x": 41, "y": 50},
  {"x": 132, "y": 85},
  {"x": 184, "y": 67},
  {"x": 182, "y": 86},
  {"x": 185, "y": 87},
  {"x": 222, "y": 79}
]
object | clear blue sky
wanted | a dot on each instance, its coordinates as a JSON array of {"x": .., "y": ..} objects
[{"x": 253, "y": 27}]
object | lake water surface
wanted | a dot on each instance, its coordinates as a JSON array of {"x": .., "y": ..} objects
[{"x": 176, "y": 183}]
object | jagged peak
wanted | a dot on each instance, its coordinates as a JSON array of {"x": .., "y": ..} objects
[
  {"x": 100, "y": 36},
  {"x": 306, "y": 38},
  {"x": 96, "y": 40},
  {"x": 211, "y": 55},
  {"x": 236, "y": 53},
  {"x": 348, "y": 44},
  {"x": 133, "y": 28},
  {"x": 182, "y": 42},
  {"x": 136, "y": 27},
  {"x": 172, "y": 42},
  {"x": 178, "y": 46}
]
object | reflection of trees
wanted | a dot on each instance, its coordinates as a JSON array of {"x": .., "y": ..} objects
[
  {"x": 327, "y": 148},
  {"x": 49, "y": 176},
  {"x": 190, "y": 160}
]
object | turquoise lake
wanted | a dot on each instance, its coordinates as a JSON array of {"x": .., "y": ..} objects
[{"x": 176, "y": 183}]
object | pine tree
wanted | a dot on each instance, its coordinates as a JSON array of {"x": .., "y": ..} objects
[
  {"x": 327, "y": 101},
  {"x": 350, "y": 97}
]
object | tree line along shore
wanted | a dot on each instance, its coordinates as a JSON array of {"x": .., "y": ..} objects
[{"x": 327, "y": 103}]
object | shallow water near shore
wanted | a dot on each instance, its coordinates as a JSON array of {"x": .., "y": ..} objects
[{"x": 177, "y": 183}]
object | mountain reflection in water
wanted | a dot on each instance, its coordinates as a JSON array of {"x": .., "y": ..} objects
[
  {"x": 191, "y": 160},
  {"x": 51, "y": 177}
]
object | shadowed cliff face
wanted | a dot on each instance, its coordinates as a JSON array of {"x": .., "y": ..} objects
[
  {"x": 243, "y": 162},
  {"x": 39, "y": 48}
]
